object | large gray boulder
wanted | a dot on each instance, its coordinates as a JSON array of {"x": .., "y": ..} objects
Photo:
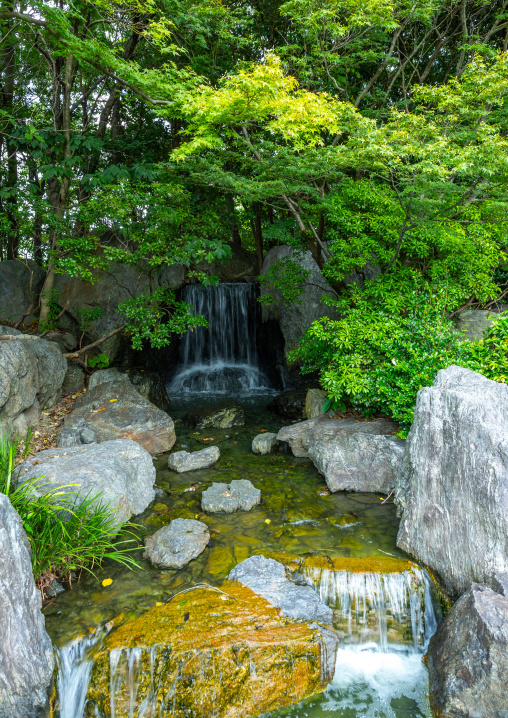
[
  {"x": 475, "y": 322},
  {"x": 182, "y": 461},
  {"x": 359, "y": 462},
  {"x": 453, "y": 483},
  {"x": 20, "y": 285},
  {"x": 26, "y": 653},
  {"x": 328, "y": 428},
  {"x": 240, "y": 495},
  {"x": 294, "y": 320},
  {"x": 121, "y": 471},
  {"x": 268, "y": 578},
  {"x": 175, "y": 545},
  {"x": 468, "y": 657},
  {"x": 74, "y": 379},
  {"x": 31, "y": 377},
  {"x": 148, "y": 383},
  {"x": 116, "y": 410}
]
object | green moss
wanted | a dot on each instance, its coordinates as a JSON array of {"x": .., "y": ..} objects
[
  {"x": 220, "y": 561},
  {"x": 344, "y": 520}
]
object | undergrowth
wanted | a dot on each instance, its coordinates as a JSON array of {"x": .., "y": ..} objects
[{"x": 68, "y": 532}]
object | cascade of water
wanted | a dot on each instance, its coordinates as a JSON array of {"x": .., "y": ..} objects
[
  {"x": 391, "y": 610},
  {"x": 222, "y": 357},
  {"x": 75, "y": 662}
]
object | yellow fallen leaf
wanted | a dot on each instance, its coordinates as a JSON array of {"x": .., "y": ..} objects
[
  {"x": 159, "y": 603},
  {"x": 267, "y": 521},
  {"x": 107, "y": 582},
  {"x": 111, "y": 400}
]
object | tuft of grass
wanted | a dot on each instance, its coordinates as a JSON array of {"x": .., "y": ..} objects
[{"x": 67, "y": 533}]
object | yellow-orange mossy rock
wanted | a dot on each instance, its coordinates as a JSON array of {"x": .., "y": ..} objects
[
  {"x": 206, "y": 653},
  {"x": 367, "y": 564}
]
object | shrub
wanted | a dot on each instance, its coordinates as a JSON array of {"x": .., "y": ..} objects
[
  {"x": 64, "y": 535},
  {"x": 378, "y": 359}
]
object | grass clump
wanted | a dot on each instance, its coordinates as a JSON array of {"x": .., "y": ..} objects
[{"x": 68, "y": 533}]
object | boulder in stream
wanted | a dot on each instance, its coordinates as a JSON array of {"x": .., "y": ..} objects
[
  {"x": 359, "y": 462},
  {"x": 182, "y": 461},
  {"x": 148, "y": 383},
  {"x": 220, "y": 416},
  {"x": 327, "y": 428},
  {"x": 175, "y": 545},
  {"x": 210, "y": 652},
  {"x": 116, "y": 410},
  {"x": 240, "y": 495},
  {"x": 26, "y": 653},
  {"x": 264, "y": 443},
  {"x": 121, "y": 471},
  {"x": 468, "y": 657},
  {"x": 453, "y": 484}
]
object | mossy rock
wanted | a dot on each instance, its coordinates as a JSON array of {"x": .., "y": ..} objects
[
  {"x": 276, "y": 502},
  {"x": 228, "y": 654},
  {"x": 160, "y": 507},
  {"x": 305, "y": 512},
  {"x": 220, "y": 561},
  {"x": 368, "y": 564},
  {"x": 344, "y": 520}
]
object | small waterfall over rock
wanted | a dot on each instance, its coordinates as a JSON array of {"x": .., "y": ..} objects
[
  {"x": 221, "y": 358},
  {"x": 391, "y": 611},
  {"x": 75, "y": 663}
]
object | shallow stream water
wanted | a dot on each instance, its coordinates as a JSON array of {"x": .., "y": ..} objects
[{"x": 296, "y": 516}]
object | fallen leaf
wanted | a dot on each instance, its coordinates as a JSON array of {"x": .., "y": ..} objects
[
  {"x": 112, "y": 400},
  {"x": 107, "y": 582},
  {"x": 267, "y": 521},
  {"x": 159, "y": 603}
]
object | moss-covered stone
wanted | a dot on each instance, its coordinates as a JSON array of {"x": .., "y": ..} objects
[
  {"x": 227, "y": 654},
  {"x": 344, "y": 520},
  {"x": 220, "y": 561}
]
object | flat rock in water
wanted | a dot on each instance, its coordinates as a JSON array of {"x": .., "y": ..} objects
[
  {"x": 468, "y": 657},
  {"x": 264, "y": 443},
  {"x": 182, "y": 461},
  {"x": 121, "y": 471},
  {"x": 268, "y": 578},
  {"x": 359, "y": 462},
  {"x": 240, "y": 495},
  {"x": 452, "y": 487},
  {"x": 327, "y": 428},
  {"x": 175, "y": 545},
  {"x": 26, "y": 653},
  {"x": 116, "y": 410},
  {"x": 220, "y": 416}
]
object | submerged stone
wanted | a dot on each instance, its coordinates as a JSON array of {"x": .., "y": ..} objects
[
  {"x": 238, "y": 496},
  {"x": 175, "y": 545},
  {"x": 220, "y": 416},
  {"x": 182, "y": 461},
  {"x": 223, "y": 653},
  {"x": 220, "y": 561}
]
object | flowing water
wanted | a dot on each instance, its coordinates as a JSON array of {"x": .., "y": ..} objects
[{"x": 384, "y": 619}]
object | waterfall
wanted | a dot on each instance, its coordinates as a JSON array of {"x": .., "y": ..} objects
[
  {"x": 75, "y": 663},
  {"x": 389, "y": 611},
  {"x": 221, "y": 358}
]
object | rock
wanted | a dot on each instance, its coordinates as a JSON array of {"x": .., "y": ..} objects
[
  {"x": 76, "y": 435},
  {"x": 314, "y": 401},
  {"x": 116, "y": 410},
  {"x": 220, "y": 561},
  {"x": 267, "y": 578},
  {"x": 468, "y": 657},
  {"x": 26, "y": 653},
  {"x": 31, "y": 377},
  {"x": 182, "y": 461},
  {"x": 500, "y": 583},
  {"x": 148, "y": 383},
  {"x": 238, "y": 496},
  {"x": 452, "y": 485},
  {"x": 359, "y": 462},
  {"x": 294, "y": 320},
  {"x": 121, "y": 471},
  {"x": 475, "y": 322},
  {"x": 220, "y": 653},
  {"x": 264, "y": 443},
  {"x": 327, "y": 428},
  {"x": 16, "y": 294},
  {"x": 220, "y": 416},
  {"x": 54, "y": 589},
  {"x": 67, "y": 342},
  {"x": 74, "y": 379},
  {"x": 175, "y": 545},
  {"x": 290, "y": 404}
]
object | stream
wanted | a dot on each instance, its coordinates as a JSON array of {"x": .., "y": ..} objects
[{"x": 384, "y": 619}]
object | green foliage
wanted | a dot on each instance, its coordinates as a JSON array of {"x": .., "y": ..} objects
[
  {"x": 101, "y": 361},
  {"x": 378, "y": 359},
  {"x": 88, "y": 315},
  {"x": 66, "y": 533},
  {"x": 52, "y": 298}
]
